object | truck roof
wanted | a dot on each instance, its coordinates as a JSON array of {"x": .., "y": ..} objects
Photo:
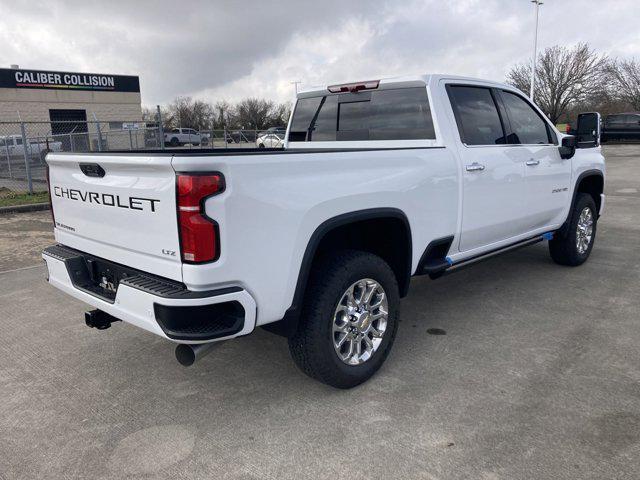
[{"x": 404, "y": 81}]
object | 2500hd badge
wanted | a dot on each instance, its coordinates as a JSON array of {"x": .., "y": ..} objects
[{"x": 106, "y": 199}]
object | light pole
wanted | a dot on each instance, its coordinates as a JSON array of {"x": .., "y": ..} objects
[{"x": 535, "y": 49}]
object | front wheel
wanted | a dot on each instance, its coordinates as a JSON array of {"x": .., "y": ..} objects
[
  {"x": 349, "y": 319},
  {"x": 575, "y": 246}
]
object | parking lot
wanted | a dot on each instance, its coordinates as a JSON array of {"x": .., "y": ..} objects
[{"x": 537, "y": 377}]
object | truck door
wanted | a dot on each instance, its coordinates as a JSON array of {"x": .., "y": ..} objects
[
  {"x": 547, "y": 175},
  {"x": 492, "y": 175}
]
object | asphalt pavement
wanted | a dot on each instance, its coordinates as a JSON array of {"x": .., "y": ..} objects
[{"x": 537, "y": 377}]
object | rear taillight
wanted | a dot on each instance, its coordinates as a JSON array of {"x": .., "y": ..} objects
[
  {"x": 199, "y": 242},
  {"x": 53, "y": 217}
]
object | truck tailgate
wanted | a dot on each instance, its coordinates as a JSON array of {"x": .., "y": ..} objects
[{"x": 118, "y": 207}]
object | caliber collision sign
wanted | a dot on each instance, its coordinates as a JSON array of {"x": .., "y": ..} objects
[{"x": 10, "y": 78}]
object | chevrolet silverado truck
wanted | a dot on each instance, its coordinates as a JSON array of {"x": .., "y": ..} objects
[{"x": 379, "y": 181}]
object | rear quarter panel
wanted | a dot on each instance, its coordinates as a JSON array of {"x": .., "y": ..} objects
[{"x": 273, "y": 203}]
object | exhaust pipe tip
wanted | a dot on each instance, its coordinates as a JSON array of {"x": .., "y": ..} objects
[{"x": 187, "y": 355}]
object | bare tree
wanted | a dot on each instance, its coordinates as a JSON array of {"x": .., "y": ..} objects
[
  {"x": 254, "y": 113},
  {"x": 564, "y": 77},
  {"x": 223, "y": 116},
  {"x": 280, "y": 115},
  {"x": 625, "y": 77},
  {"x": 250, "y": 113},
  {"x": 186, "y": 112}
]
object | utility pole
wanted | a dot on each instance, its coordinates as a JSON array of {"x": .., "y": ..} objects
[{"x": 535, "y": 48}]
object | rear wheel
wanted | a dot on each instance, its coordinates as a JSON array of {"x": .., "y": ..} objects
[
  {"x": 349, "y": 319},
  {"x": 575, "y": 246}
]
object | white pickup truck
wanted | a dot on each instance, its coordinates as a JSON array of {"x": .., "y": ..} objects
[
  {"x": 178, "y": 137},
  {"x": 380, "y": 181},
  {"x": 11, "y": 145}
]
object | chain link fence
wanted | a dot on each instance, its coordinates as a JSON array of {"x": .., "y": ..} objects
[{"x": 24, "y": 145}]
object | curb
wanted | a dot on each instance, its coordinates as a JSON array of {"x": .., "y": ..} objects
[{"x": 32, "y": 207}]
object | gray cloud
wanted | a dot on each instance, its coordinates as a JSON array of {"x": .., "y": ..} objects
[{"x": 228, "y": 49}]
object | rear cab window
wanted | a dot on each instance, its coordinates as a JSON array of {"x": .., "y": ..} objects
[{"x": 369, "y": 115}]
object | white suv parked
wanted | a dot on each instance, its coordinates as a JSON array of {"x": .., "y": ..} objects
[{"x": 182, "y": 136}]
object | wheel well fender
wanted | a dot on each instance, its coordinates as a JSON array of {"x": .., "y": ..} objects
[
  {"x": 374, "y": 230},
  {"x": 590, "y": 182}
]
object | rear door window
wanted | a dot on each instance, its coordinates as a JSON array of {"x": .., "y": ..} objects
[
  {"x": 528, "y": 127},
  {"x": 476, "y": 115},
  {"x": 396, "y": 114}
]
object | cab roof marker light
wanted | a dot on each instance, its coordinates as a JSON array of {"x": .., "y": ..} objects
[{"x": 354, "y": 87}]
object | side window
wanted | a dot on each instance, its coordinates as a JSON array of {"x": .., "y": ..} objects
[
  {"x": 476, "y": 115},
  {"x": 527, "y": 125}
]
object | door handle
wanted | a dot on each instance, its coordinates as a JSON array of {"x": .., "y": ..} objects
[
  {"x": 474, "y": 167},
  {"x": 533, "y": 162}
]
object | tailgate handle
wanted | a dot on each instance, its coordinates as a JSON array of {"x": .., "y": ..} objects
[{"x": 92, "y": 170}]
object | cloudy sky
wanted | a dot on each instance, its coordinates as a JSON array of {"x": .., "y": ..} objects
[{"x": 232, "y": 49}]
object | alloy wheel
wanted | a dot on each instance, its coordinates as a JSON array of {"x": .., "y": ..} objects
[
  {"x": 360, "y": 321},
  {"x": 584, "y": 230}
]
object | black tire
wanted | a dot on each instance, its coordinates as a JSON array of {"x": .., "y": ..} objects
[
  {"x": 174, "y": 142},
  {"x": 261, "y": 145},
  {"x": 312, "y": 346},
  {"x": 563, "y": 248}
]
